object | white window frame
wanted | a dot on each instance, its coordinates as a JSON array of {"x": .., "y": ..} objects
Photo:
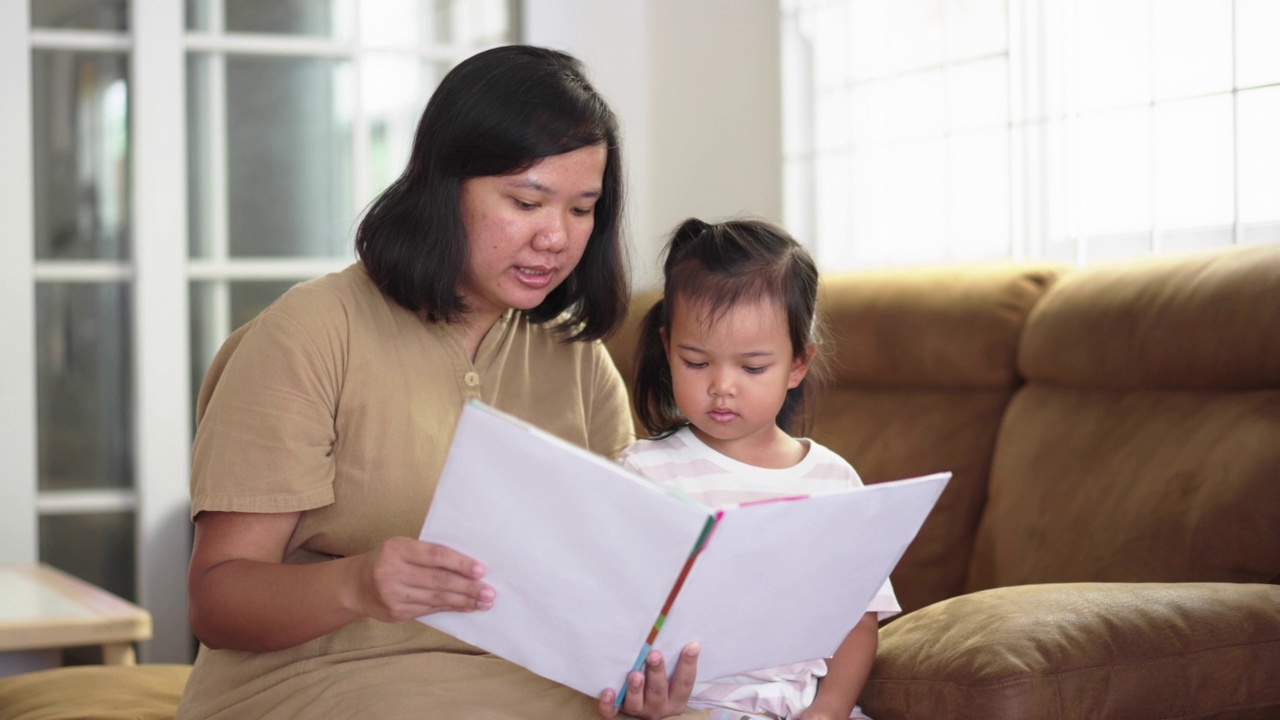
[{"x": 160, "y": 274}]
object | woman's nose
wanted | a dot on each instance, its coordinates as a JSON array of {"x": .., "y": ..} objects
[{"x": 552, "y": 236}]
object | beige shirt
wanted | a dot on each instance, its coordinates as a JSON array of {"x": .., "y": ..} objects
[{"x": 338, "y": 403}]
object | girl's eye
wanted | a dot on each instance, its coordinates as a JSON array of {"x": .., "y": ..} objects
[
  {"x": 754, "y": 370},
  {"x": 694, "y": 365}
]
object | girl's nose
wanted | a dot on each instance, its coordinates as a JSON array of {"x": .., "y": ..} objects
[{"x": 721, "y": 385}]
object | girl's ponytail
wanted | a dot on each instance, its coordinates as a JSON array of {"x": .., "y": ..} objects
[{"x": 652, "y": 395}]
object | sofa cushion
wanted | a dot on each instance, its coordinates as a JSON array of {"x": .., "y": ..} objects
[
  {"x": 954, "y": 327},
  {"x": 1143, "y": 446},
  {"x": 1194, "y": 321},
  {"x": 921, "y": 369},
  {"x": 116, "y": 692},
  {"x": 1098, "y": 485},
  {"x": 1123, "y": 651}
]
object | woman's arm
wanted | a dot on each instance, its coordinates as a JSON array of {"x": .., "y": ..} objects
[
  {"x": 847, "y": 672},
  {"x": 243, "y": 596}
]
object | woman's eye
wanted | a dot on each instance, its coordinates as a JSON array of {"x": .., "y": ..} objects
[
  {"x": 524, "y": 205},
  {"x": 754, "y": 370},
  {"x": 583, "y": 212}
]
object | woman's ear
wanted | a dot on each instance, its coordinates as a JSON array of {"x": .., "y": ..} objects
[{"x": 800, "y": 365}]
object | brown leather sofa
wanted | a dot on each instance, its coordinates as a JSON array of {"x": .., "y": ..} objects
[{"x": 1109, "y": 546}]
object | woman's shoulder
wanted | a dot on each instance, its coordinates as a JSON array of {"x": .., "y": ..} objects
[{"x": 323, "y": 296}]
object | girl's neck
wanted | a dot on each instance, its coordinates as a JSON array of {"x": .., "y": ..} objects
[{"x": 772, "y": 449}]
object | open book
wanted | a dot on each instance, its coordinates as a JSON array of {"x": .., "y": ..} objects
[{"x": 593, "y": 564}]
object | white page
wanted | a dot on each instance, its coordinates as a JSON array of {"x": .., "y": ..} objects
[
  {"x": 783, "y": 582},
  {"x": 581, "y": 553}
]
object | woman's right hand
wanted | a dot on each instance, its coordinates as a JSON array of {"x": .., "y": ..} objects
[
  {"x": 244, "y": 597},
  {"x": 406, "y": 578}
]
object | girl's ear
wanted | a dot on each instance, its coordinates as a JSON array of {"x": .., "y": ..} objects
[{"x": 800, "y": 365}]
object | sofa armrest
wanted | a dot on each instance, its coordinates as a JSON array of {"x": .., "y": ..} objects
[
  {"x": 118, "y": 692},
  {"x": 1095, "y": 650}
]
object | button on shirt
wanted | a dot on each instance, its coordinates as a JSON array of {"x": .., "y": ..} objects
[{"x": 472, "y": 379}]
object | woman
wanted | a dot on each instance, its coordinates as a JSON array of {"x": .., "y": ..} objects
[{"x": 490, "y": 269}]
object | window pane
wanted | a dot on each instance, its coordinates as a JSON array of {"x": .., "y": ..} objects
[
  {"x": 1259, "y": 155},
  {"x": 869, "y": 205},
  {"x": 288, "y": 158},
  {"x": 473, "y": 23},
  {"x": 978, "y": 95},
  {"x": 1115, "y": 172},
  {"x": 979, "y": 195},
  {"x": 1194, "y": 170},
  {"x": 84, "y": 385},
  {"x": 831, "y": 173},
  {"x": 80, "y": 125},
  {"x": 916, "y": 105},
  {"x": 1191, "y": 47},
  {"x": 914, "y": 181},
  {"x": 916, "y": 26},
  {"x": 1257, "y": 52},
  {"x": 322, "y": 18},
  {"x": 975, "y": 28},
  {"x": 80, "y": 14},
  {"x": 394, "y": 89},
  {"x": 96, "y": 548},
  {"x": 218, "y": 308},
  {"x": 1115, "y": 53}
]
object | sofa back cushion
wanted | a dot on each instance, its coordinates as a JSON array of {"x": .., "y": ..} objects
[
  {"x": 922, "y": 366},
  {"x": 1145, "y": 445}
]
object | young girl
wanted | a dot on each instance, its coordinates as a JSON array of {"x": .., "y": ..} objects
[{"x": 719, "y": 381}]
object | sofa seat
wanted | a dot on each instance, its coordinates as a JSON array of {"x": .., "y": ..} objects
[
  {"x": 95, "y": 692},
  {"x": 1139, "y": 651}
]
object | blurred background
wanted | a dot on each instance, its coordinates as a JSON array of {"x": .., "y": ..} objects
[{"x": 169, "y": 168}]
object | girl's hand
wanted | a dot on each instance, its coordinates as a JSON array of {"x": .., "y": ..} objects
[
  {"x": 406, "y": 578},
  {"x": 649, "y": 695}
]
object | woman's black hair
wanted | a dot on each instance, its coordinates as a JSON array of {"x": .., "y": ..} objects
[
  {"x": 716, "y": 266},
  {"x": 497, "y": 113}
]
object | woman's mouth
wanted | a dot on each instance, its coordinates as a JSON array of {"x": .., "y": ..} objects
[{"x": 537, "y": 278}]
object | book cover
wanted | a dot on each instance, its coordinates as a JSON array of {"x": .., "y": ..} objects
[{"x": 591, "y": 563}]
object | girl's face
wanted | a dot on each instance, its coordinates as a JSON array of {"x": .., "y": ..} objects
[
  {"x": 528, "y": 231},
  {"x": 730, "y": 375}
]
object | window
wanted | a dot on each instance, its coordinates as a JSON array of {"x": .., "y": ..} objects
[
  {"x": 175, "y": 167},
  {"x": 1077, "y": 131}
]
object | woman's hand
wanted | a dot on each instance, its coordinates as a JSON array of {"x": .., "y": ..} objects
[
  {"x": 649, "y": 694},
  {"x": 405, "y": 578}
]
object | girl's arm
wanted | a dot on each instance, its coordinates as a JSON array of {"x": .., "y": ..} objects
[
  {"x": 847, "y": 672},
  {"x": 243, "y": 596}
]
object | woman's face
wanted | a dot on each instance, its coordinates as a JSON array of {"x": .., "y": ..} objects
[{"x": 528, "y": 231}]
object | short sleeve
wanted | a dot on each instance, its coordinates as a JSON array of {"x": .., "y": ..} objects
[
  {"x": 266, "y": 438},
  {"x": 611, "y": 430},
  {"x": 885, "y": 603}
]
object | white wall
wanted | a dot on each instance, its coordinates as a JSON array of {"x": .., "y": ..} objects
[{"x": 696, "y": 84}]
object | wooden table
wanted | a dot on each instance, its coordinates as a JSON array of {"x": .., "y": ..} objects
[{"x": 43, "y": 608}]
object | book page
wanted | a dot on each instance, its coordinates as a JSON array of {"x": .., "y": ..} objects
[
  {"x": 580, "y": 552},
  {"x": 785, "y": 581}
]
